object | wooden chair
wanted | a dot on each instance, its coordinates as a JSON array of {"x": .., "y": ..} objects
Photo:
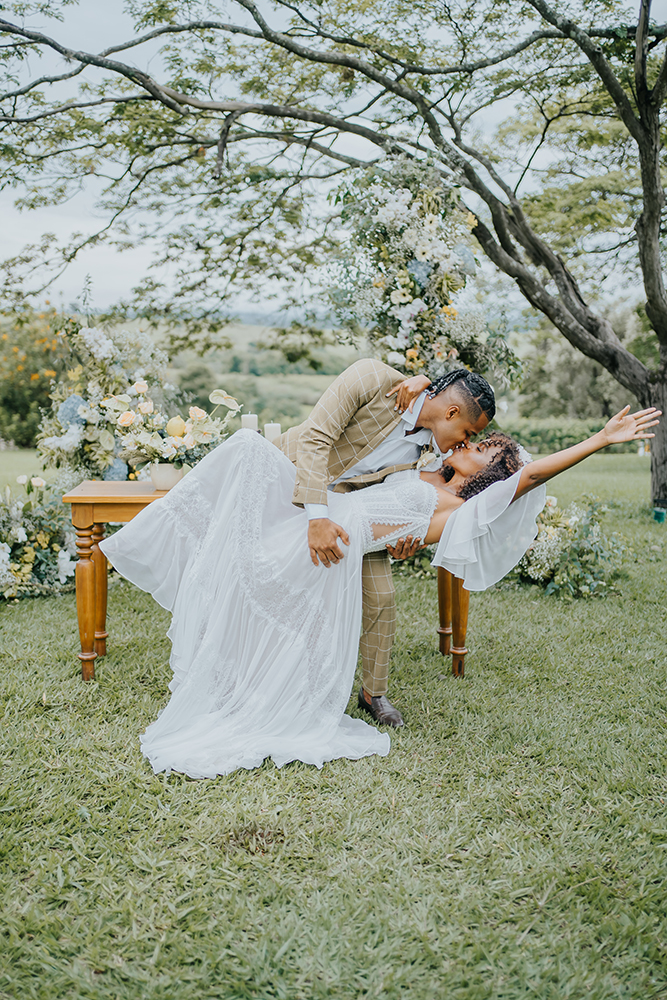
[{"x": 453, "y": 601}]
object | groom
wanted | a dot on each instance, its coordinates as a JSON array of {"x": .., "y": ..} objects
[{"x": 355, "y": 436}]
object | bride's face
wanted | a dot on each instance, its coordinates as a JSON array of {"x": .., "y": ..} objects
[{"x": 471, "y": 458}]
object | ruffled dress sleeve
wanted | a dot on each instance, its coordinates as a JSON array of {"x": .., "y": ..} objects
[{"x": 487, "y": 535}]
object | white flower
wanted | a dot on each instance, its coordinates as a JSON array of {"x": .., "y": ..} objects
[
  {"x": 69, "y": 441},
  {"x": 5, "y": 553},
  {"x": 168, "y": 450},
  {"x": 399, "y": 295},
  {"x": 196, "y": 413},
  {"x": 394, "y": 358},
  {"x": 38, "y": 482},
  {"x": 126, "y": 419},
  {"x": 100, "y": 346},
  {"x": 19, "y": 534},
  {"x": 552, "y": 501},
  {"x": 145, "y": 406},
  {"x": 189, "y": 441},
  {"x": 21, "y": 480},
  {"x": 66, "y": 565},
  {"x": 140, "y": 386}
]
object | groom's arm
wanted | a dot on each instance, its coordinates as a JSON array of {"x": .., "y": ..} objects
[{"x": 354, "y": 388}]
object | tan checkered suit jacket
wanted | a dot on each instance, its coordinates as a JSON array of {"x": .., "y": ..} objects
[{"x": 351, "y": 419}]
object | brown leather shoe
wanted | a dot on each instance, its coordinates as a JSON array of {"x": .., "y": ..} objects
[{"x": 381, "y": 709}]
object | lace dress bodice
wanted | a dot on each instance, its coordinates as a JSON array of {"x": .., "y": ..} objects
[{"x": 401, "y": 505}]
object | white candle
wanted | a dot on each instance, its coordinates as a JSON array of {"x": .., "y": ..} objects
[
  {"x": 250, "y": 421},
  {"x": 272, "y": 431}
]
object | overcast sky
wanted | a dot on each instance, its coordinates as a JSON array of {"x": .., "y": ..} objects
[{"x": 92, "y": 26}]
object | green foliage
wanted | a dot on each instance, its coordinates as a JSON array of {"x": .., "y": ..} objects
[
  {"x": 571, "y": 557},
  {"x": 33, "y": 353},
  {"x": 37, "y": 542},
  {"x": 560, "y": 382},
  {"x": 556, "y": 433}
]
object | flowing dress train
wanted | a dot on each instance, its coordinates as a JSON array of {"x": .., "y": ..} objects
[{"x": 264, "y": 643}]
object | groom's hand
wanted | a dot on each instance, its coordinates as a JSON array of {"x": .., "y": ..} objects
[
  {"x": 405, "y": 547},
  {"x": 323, "y": 535}
]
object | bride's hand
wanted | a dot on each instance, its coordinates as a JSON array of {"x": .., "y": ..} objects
[
  {"x": 626, "y": 426},
  {"x": 408, "y": 390}
]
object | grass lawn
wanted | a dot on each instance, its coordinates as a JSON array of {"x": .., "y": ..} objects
[{"x": 512, "y": 845}]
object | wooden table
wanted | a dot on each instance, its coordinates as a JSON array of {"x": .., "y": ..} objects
[
  {"x": 453, "y": 601},
  {"x": 94, "y": 503}
]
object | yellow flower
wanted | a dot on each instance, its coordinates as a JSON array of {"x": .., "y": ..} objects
[
  {"x": 175, "y": 427},
  {"x": 140, "y": 386},
  {"x": 471, "y": 221},
  {"x": 412, "y": 354},
  {"x": 50, "y": 372},
  {"x": 43, "y": 539},
  {"x": 126, "y": 419},
  {"x": 34, "y": 377},
  {"x": 450, "y": 312}
]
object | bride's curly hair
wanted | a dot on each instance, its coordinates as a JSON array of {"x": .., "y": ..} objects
[{"x": 503, "y": 465}]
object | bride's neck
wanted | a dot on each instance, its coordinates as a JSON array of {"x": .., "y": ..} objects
[{"x": 436, "y": 479}]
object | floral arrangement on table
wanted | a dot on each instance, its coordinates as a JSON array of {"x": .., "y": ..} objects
[
  {"x": 112, "y": 412},
  {"x": 571, "y": 556},
  {"x": 408, "y": 255},
  {"x": 147, "y": 435},
  {"x": 37, "y": 542},
  {"x": 81, "y": 434}
]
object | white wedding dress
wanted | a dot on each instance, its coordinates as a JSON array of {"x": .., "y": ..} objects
[{"x": 264, "y": 643}]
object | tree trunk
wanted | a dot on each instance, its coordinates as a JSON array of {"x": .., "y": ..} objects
[{"x": 658, "y": 397}]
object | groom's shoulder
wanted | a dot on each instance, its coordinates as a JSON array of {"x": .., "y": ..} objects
[{"x": 371, "y": 373}]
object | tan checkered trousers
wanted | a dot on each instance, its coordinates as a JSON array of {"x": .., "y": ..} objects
[{"x": 351, "y": 419}]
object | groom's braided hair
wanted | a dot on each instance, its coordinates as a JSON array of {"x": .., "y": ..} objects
[{"x": 478, "y": 392}]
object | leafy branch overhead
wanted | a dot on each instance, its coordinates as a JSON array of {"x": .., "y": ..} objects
[{"x": 216, "y": 137}]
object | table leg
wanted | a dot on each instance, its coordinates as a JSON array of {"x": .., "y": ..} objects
[
  {"x": 460, "y": 602},
  {"x": 445, "y": 609},
  {"x": 85, "y": 596},
  {"x": 100, "y": 562}
]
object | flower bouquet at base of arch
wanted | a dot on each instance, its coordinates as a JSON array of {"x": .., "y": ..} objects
[
  {"x": 148, "y": 436},
  {"x": 37, "y": 541}
]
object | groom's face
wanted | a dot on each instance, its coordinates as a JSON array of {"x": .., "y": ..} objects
[{"x": 452, "y": 425}]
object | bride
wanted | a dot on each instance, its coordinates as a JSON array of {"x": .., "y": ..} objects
[{"x": 264, "y": 643}]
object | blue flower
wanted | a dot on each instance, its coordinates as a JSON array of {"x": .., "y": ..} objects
[
  {"x": 117, "y": 470},
  {"x": 467, "y": 258},
  {"x": 420, "y": 271},
  {"x": 68, "y": 412}
]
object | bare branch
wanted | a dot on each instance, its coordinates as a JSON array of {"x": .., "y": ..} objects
[{"x": 596, "y": 58}]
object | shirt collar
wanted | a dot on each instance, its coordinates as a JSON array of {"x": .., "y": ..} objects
[{"x": 412, "y": 418}]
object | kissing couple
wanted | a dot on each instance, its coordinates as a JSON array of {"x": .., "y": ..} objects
[{"x": 272, "y": 560}]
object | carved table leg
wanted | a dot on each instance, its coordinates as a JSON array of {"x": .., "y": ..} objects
[
  {"x": 100, "y": 562},
  {"x": 85, "y": 589},
  {"x": 460, "y": 602},
  {"x": 445, "y": 609}
]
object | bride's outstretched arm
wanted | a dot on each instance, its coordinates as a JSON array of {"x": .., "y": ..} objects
[{"x": 625, "y": 426}]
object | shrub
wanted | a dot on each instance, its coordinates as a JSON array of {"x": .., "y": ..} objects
[
  {"x": 571, "y": 556},
  {"x": 32, "y": 353},
  {"x": 556, "y": 433},
  {"x": 37, "y": 543}
]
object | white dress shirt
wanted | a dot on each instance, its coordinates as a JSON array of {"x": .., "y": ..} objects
[{"x": 397, "y": 449}]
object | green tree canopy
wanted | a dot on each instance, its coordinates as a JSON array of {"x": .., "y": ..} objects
[{"x": 216, "y": 130}]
